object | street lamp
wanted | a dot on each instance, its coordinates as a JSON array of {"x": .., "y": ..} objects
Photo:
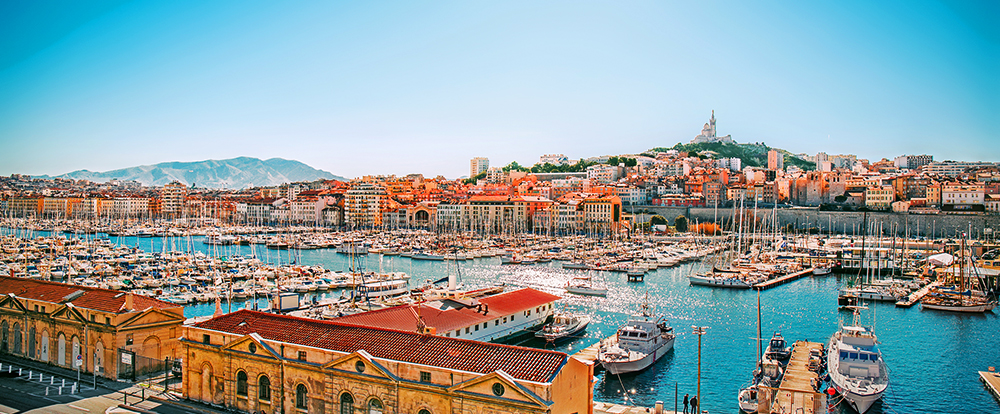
[{"x": 699, "y": 330}]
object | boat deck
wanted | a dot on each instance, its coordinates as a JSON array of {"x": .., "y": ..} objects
[
  {"x": 796, "y": 393},
  {"x": 916, "y": 296},
  {"x": 589, "y": 354},
  {"x": 782, "y": 280},
  {"x": 992, "y": 382}
]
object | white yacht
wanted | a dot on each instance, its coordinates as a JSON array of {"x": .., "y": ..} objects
[
  {"x": 857, "y": 370},
  {"x": 716, "y": 280},
  {"x": 638, "y": 344}
]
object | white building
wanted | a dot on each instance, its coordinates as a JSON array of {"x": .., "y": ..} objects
[
  {"x": 554, "y": 159},
  {"x": 603, "y": 173}
]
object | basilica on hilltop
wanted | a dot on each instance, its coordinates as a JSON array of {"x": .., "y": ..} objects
[{"x": 708, "y": 134}]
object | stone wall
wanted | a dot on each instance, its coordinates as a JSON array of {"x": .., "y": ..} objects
[{"x": 927, "y": 225}]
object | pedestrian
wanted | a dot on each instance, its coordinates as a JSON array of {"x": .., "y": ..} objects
[
  {"x": 685, "y": 404},
  {"x": 694, "y": 405}
]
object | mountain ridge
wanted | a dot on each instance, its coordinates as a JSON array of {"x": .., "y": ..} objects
[{"x": 233, "y": 173}]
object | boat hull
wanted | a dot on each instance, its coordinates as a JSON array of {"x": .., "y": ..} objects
[{"x": 723, "y": 282}]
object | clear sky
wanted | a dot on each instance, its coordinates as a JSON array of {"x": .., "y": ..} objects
[{"x": 374, "y": 87}]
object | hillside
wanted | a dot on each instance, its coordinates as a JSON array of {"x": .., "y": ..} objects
[{"x": 751, "y": 154}]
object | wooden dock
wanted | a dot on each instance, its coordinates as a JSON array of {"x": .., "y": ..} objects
[
  {"x": 992, "y": 381},
  {"x": 796, "y": 393},
  {"x": 784, "y": 279},
  {"x": 916, "y": 296}
]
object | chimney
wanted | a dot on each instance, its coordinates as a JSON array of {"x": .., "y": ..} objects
[{"x": 129, "y": 302}]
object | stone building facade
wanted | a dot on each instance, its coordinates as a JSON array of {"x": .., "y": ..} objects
[{"x": 255, "y": 361}]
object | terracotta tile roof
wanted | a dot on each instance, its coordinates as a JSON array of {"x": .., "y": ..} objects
[
  {"x": 448, "y": 319},
  {"x": 105, "y": 300},
  {"x": 527, "y": 364}
]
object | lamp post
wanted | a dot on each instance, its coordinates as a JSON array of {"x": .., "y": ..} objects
[{"x": 699, "y": 330}]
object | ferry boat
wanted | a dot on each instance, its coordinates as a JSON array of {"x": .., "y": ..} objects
[
  {"x": 638, "y": 344},
  {"x": 564, "y": 325},
  {"x": 857, "y": 370},
  {"x": 383, "y": 288}
]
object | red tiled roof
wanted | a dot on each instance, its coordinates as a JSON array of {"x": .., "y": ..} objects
[
  {"x": 105, "y": 300},
  {"x": 403, "y": 318},
  {"x": 527, "y": 364}
]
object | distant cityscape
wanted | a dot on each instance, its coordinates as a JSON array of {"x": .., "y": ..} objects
[{"x": 555, "y": 195}]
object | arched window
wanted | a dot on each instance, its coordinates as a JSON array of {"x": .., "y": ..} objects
[
  {"x": 423, "y": 411},
  {"x": 374, "y": 406},
  {"x": 31, "y": 342},
  {"x": 264, "y": 388},
  {"x": 241, "y": 383},
  {"x": 346, "y": 403},
  {"x": 301, "y": 396},
  {"x": 17, "y": 338},
  {"x": 4, "y": 336}
]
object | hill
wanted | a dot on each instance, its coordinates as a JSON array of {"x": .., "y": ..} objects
[
  {"x": 751, "y": 154},
  {"x": 235, "y": 173}
]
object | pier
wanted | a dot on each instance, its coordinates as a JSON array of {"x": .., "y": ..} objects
[
  {"x": 796, "y": 393},
  {"x": 916, "y": 296},
  {"x": 991, "y": 380},
  {"x": 783, "y": 279}
]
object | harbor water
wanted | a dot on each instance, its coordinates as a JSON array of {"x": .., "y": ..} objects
[{"x": 932, "y": 356}]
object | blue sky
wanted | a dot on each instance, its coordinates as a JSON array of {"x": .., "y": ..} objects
[{"x": 359, "y": 88}]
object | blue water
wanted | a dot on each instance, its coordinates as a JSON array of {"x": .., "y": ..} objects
[{"x": 933, "y": 357}]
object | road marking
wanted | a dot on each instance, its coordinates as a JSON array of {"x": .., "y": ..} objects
[{"x": 78, "y": 408}]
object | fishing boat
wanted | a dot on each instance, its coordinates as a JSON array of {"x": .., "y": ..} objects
[
  {"x": 643, "y": 340},
  {"x": 778, "y": 349},
  {"x": 857, "y": 370},
  {"x": 564, "y": 325}
]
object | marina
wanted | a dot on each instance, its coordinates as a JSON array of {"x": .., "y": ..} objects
[{"x": 805, "y": 308}]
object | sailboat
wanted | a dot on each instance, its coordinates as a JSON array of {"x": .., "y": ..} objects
[
  {"x": 962, "y": 299},
  {"x": 766, "y": 376}
]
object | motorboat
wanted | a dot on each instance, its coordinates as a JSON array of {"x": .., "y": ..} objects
[
  {"x": 584, "y": 286},
  {"x": 778, "y": 349}
]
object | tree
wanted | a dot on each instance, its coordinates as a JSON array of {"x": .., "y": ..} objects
[
  {"x": 657, "y": 220},
  {"x": 630, "y": 162},
  {"x": 613, "y": 161},
  {"x": 840, "y": 199},
  {"x": 681, "y": 224}
]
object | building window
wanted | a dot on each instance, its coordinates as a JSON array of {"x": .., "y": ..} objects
[
  {"x": 425, "y": 376},
  {"x": 206, "y": 339},
  {"x": 300, "y": 396},
  {"x": 359, "y": 366},
  {"x": 107, "y": 320},
  {"x": 477, "y": 327},
  {"x": 302, "y": 355},
  {"x": 466, "y": 329},
  {"x": 423, "y": 411},
  {"x": 128, "y": 339},
  {"x": 496, "y": 322},
  {"x": 264, "y": 388},
  {"x": 498, "y": 389},
  {"x": 241, "y": 383},
  {"x": 93, "y": 318},
  {"x": 252, "y": 348},
  {"x": 346, "y": 403},
  {"x": 374, "y": 406}
]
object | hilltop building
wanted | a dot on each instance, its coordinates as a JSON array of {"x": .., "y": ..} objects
[{"x": 708, "y": 134}]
